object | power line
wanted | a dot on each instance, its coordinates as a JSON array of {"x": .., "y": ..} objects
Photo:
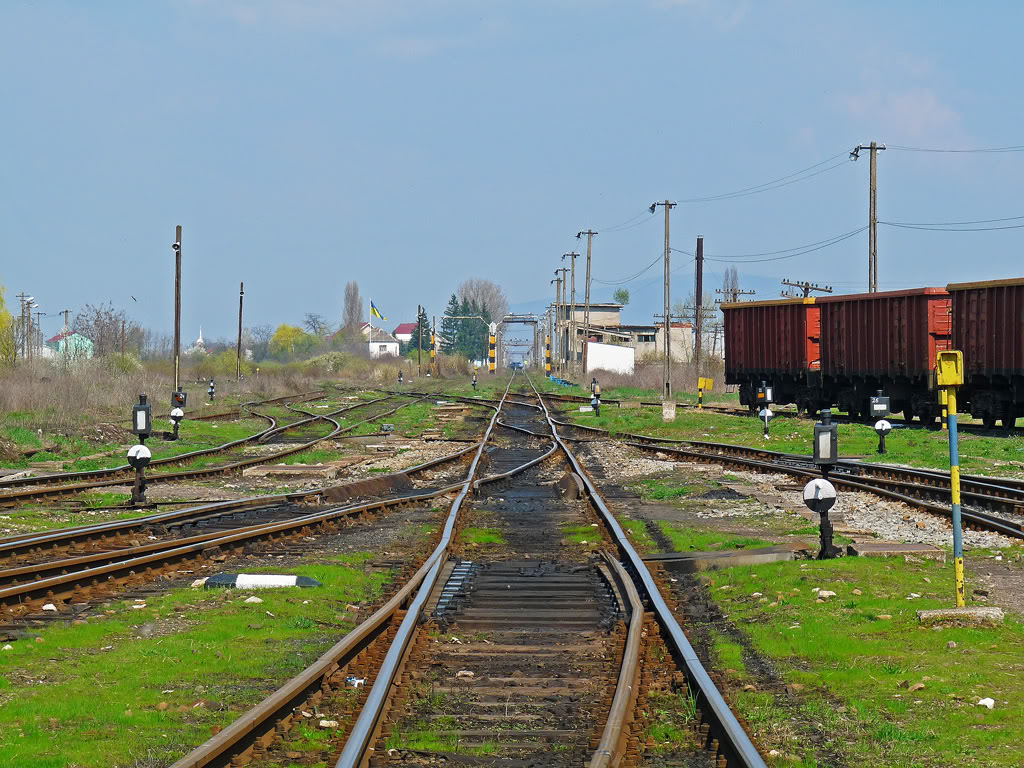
[
  {"x": 622, "y": 280},
  {"x": 951, "y": 229},
  {"x": 989, "y": 150},
  {"x": 949, "y": 223},
  {"x": 782, "y": 181},
  {"x": 826, "y": 244}
]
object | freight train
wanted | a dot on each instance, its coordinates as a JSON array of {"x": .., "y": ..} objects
[{"x": 839, "y": 351}]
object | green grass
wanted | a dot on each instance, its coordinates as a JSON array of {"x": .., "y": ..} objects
[
  {"x": 686, "y": 539},
  {"x": 671, "y": 715},
  {"x": 97, "y": 704},
  {"x": 577, "y": 534},
  {"x": 848, "y": 655},
  {"x": 913, "y": 447},
  {"x": 482, "y": 536},
  {"x": 662, "y": 488}
]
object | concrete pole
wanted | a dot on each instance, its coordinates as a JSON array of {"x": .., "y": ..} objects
[
  {"x": 586, "y": 290},
  {"x": 572, "y": 313},
  {"x": 668, "y": 306},
  {"x": 873, "y": 238},
  {"x": 699, "y": 308},
  {"x": 177, "y": 309},
  {"x": 238, "y": 349}
]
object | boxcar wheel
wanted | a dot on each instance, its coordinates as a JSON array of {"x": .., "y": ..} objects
[{"x": 989, "y": 420}]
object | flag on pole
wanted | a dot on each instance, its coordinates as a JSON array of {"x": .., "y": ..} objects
[{"x": 374, "y": 312}]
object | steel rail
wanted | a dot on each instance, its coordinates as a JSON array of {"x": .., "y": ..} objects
[
  {"x": 612, "y": 747},
  {"x": 367, "y": 725},
  {"x": 17, "y": 545},
  {"x": 732, "y": 739},
  {"x": 273, "y": 429},
  {"x": 62, "y": 490},
  {"x": 982, "y": 519},
  {"x": 203, "y": 512}
]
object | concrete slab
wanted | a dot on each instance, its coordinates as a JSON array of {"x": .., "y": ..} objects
[
  {"x": 327, "y": 471},
  {"x": 894, "y": 549},
  {"x": 15, "y": 474},
  {"x": 690, "y": 562},
  {"x": 973, "y": 616}
]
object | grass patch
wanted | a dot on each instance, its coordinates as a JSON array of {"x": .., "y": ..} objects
[
  {"x": 687, "y": 539},
  {"x": 661, "y": 489},
  {"x": 579, "y": 534},
  {"x": 862, "y": 652},
  {"x": 671, "y": 714},
  {"x": 482, "y": 536},
  {"x": 99, "y": 705}
]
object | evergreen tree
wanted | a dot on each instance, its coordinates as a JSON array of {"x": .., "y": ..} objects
[
  {"x": 421, "y": 336},
  {"x": 450, "y": 326}
]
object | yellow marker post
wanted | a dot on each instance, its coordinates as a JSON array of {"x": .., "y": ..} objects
[
  {"x": 703, "y": 383},
  {"x": 944, "y": 403},
  {"x": 949, "y": 373}
]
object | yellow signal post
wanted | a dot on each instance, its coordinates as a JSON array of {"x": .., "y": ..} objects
[
  {"x": 944, "y": 403},
  {"x": 703, "y": 383},
  {"x": 949, "y": 374}
]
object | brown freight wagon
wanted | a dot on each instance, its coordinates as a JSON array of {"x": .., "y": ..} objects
[
  {"x": 772, "y": 341},
  {"x": 884, "y": 341},
  {"x": 988, "y": 327}
]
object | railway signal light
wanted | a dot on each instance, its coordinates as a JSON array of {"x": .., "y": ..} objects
[
  {"x": 142, "y": 418},
  {"x": 765, "y": 393},
  {"x": 766, "y": 416},
  {"x": 211, "y": 390},
  {"x": 879, "y": 406},
  {"x": 883, "y": 428},
  {"x": 595, "y": 403},
  {"x": 176, "y": 416},
  {"x": 826, "y": 438},
  {"x": 178, "y": 399},
  {"x": 820, "y": 497}
]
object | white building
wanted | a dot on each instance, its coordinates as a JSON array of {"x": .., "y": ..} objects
[{"x": 381, "y": 343}]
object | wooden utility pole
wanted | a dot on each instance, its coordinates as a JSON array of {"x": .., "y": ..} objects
[
  {"x": 433, "y": 346},
  {"x": 177, "y": 308},
  {"x": 124, "y": 335},
  {"x": 419, "y": 342},
  {"x": 238, "y": 349},
  {"x": 874, "y": 147},
  {"x": 586, "y": 311},
  {"x": 806, "y": 287}
]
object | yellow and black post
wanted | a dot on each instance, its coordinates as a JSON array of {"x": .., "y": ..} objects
[
  {"x": 944, "y": 404},
  {"x": 433, "y": 348},
  {"x": 547, "y": 355},
  {"x": 492, "y": 345},
  {"x": 949, "y": 373}
]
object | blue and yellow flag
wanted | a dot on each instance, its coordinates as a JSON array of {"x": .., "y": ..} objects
[{"x": 374, "y": 312}]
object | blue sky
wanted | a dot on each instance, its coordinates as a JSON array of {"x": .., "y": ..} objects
[{"x": 408, "y": 145}]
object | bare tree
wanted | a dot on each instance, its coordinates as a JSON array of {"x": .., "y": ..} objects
[
  {"x": 259, "y": 341},
  {"x": 316, "y": 324},
  {"x": 352, "y": 315},
  {"x": 103, "y": 324},
  {"x": 486, "y": 294},
  {"x": 731, "y": 283}
]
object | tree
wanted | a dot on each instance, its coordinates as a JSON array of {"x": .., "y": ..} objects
[
  {"x": 102, "y": 325},
  {"x": 352, "y": 315},
  {"x": 8, "y": 349},
  {"x": 289, "y": 342},
  {"x": 621, "y": 296},
  {"x": 731, "y": 284},
  {"x": 450, "y": 326},
  {"x": 489, "y": 297},
  {"x": 316, "y": 324},
  {"x": 259, "y": 341},
  {"x": 421, "y": 334}
]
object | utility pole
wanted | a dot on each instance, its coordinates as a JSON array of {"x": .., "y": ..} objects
[
  {"x": 561, "y": 319},
  {"x": 874, "y": 146},
  {"x": 554, "y": 318},
  {"x": 433, "y": 346},
  {"x": 586, "y": 311},
  {"x": 419, "y": 342},
  {"x": 124, "y": 335},
  {"x": 177, "y": 307},
  {"x": 238, "y": 349},
  {"x": 806, "y": 287},
  {"x": 668, "y": 205},
  {"x": 572, "y": 308},
  {"x": 699, "y": 303},
  {"x": 67, "y": 342}
]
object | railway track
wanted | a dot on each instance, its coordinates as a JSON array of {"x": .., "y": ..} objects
[
  {"x": 992, "y": 504},
  {"x": 552, "y": 664},
  {"x": 26, "y": 490}
]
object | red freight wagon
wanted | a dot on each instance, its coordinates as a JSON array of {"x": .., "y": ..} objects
[
  {"x": 988, "y": 327},
  {"x": 773, "y": 341},
  {"x": 884, "y": 341}
]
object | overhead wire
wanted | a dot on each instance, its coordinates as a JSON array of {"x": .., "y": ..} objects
[
  {"x": 823, "y": 244},
  {"x": 782, "y": 181},
  {"x": 623, "y": 280},
  {"x": 979, "y": 151}
]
